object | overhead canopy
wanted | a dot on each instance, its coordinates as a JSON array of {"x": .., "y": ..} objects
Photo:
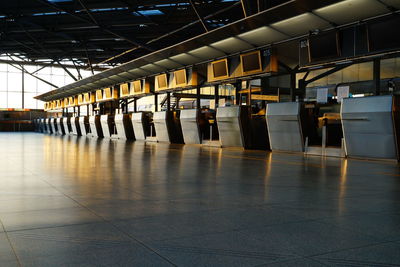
[{"x": 288, "y": 21}]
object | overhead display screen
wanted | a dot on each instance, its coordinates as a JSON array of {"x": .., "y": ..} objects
[
  {"x": 137, "y": 86},
  {"x": 251, "y": 62},
  {"x": 162, "y": 81},
  {"x": 384, "y": 34},
  {"x": 180, "y": 77},
  {"x": 108, "y": 92},
  {"x": 220, "y": 68},
  {"x": 125, "y": 89},
  {"x": 323, "y": 46}
]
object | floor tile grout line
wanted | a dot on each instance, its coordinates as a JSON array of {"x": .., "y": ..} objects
[{"x": 10, "y": 243}]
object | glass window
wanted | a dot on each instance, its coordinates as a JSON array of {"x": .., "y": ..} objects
[
  {"x": 3, "y": 81},
  {"x": 57, "y": 71},
  {"x": 45, "y": 71},
  {"x": 43, "y": 87},
  {"x": 14, "y": 82},
  {"x": 58, "y": 80},
  {"x": 30, "y": 84},
  {"x": 29, "y": 68},
  {"x": 14, "y": 100},
  {"x": 29, "y": 101},
  {"x": 3, "y": 99},
  {"x": 3, "y": 67}
]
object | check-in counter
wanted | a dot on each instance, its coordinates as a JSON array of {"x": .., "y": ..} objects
[
  {"x": 168, "y": 126},
  {"x": 123, "y": 124},
  {"x": 60, "y": 126},
  {"x": 42, "y": 126},
  {"x": 48, "y": 125},
  {"x": 284, "y": 127},
  {"x": 229, "y": 126},
  {"x": 76, "y": 129},
  {"x": 143, "y": 126},
  {"x": 84, "y": 125},
  {"x": 36, "y": 125},
  {"x": 190, "y": 126},
  {"x": 67, "y": 125},
  {"x": 107, "y": 125},
  {"x": 95, "y": 126},
  {"x": 53, "y": 124},
  {"x": 368, "y": 127}
]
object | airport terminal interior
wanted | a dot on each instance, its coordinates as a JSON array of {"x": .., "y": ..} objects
[{"x": 200, "y": 133}]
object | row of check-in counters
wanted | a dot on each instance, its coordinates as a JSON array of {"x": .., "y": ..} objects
[{"x": 368, "y": 127}]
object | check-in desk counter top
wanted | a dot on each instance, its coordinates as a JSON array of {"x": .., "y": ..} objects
[
  {"x": 190, "y": 127},
  {"x": 284, "y": 127},
  {"x": 123, "y": 124},
  {"x": 84, "y": 125},
  {"x": 168, "y": 127},
  {"x": 143, "y": 127},
  {"x": 229, "y": 126},
  {"x": 107, "y": 125},
  {"x": 67, "y": 125},
  {"x": 368, "y": 127},
  {"x": 76, "y": 129},
  {"x": 95, "y": 126},
  {"x": 60, "y": 126}
]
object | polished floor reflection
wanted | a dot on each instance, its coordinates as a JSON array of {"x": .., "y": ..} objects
[{"x": 68, "y": 201}]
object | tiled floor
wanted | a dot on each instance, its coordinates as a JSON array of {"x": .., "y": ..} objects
[{"x": 78, "y": 201}]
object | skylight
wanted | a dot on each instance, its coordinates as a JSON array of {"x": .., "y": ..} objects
[
  {"x": 58, "y": 1},
  {"x": 149, "y": 12}
]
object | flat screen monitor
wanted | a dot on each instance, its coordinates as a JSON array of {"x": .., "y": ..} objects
[
  {"x": 162, "y": 81},
  {"x": 107, "y": 93},
  {"x": 323, "y": 46},
  {"x": 87, "y": 98},
  {"x": 251, "y": 62},
  {"x": 137, "y": 87},
  {"x": 71, "y": 101},
  {"x": 220, "y": 68},
  {"x": 180, "y": 77},
  {"x": 66, "y": 102},
  {"x": 384, "y": 34},
  {"x": 124, "y": 89},
  {"x": 99, "y": 94}
]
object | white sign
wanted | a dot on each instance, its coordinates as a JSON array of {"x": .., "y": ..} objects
[
  {"x": 342, "y": 92},
  {"x": 322, "y": 95},
  {"x": 212, "y": 104}
]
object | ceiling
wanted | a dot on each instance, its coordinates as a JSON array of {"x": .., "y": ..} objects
[
  {"x": 110, "y": 31},
  {"x": 291, "y": 20}
]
